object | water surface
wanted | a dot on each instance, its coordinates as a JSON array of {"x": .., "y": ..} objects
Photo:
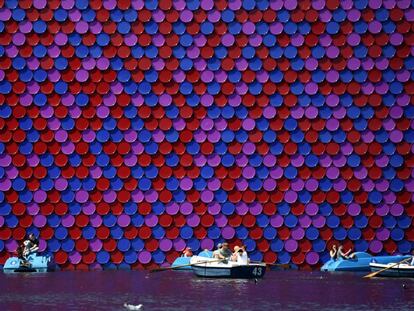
[{"x": 279, "y": 290}]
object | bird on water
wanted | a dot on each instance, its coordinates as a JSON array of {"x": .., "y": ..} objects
[{"x": 133, "y": 307}]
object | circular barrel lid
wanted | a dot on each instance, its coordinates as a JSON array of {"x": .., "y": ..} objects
[
  {"x": 375, "y": 246},
  {"x": 361, "y": 245},
  {"x": 88, "y": 258},
  {"x": 312, "y": 258},
  {"x": 165, "y": 244},
  {"x": 158, "y": 256},
  {"x": 403, "y": 246},
  {"x": 284, "y": 257},
  {"x": 194, "y": 244},
  {"x": 74, "y": 257},
  {"x": 95, "y": 245},
  {"x": 130, "y": 257},
  {"x": 102, "y": 257},
  {"x": 207, "y": 244},
  {"x": 67, "y": 245},
  {"x": 60, "y": 257}
]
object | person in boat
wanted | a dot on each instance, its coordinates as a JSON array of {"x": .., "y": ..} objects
[
  {"x": 19, "y": 252},
  {"x": 225, "y": 252},
  {"x": 333, "y": 252},
  {"x": 31, "y": 245},
  {"x": 235, "y": 254},
  {"x": 412, "y": 259},
  {"x": 187, "y": 252},
  {"x": 344, "y": 255},
  {"x": 243, "y": 258},
  {"x": 217, "y": 251},
  {"x": 240, "y": 255}
]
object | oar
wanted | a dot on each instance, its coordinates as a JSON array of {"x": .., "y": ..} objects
[
  {"x": 283, "y": 265},
  {"x": 382, "y": 270},
  {"x": 182, "y": 266}
]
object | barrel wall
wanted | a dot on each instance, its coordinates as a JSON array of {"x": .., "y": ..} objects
[{"x": 132, "y": 129}]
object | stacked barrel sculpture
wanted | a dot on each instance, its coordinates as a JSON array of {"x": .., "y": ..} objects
[{"x": 132, "y": 129}]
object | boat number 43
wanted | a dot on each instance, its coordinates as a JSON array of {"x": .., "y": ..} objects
[{"x": 257, "y": 271}]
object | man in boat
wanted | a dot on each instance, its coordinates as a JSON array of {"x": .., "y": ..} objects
[
  {"x": 217, "y": 251},
  {"x": 412, "y": 259},
  {"x": 31, "y": 245}
]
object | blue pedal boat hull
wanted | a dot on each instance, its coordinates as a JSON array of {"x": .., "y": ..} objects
[
  {"x": 399, "y": 271},
  {"x": 360, "y": 262},
  {"x": 37, "y": 263},
  {"x": 181, "y": 261}
]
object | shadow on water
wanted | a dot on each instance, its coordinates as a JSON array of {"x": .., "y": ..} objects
[{"x": 279, "y": 290}]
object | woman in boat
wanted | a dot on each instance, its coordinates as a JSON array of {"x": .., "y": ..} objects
[
  {"x": 224, "y": 253},
  {"x": 187, "y": 252},
  {"x": 217, "y": 251},
  {"x": 346, "y": 255},
  {"x": 235, "y": 253},
  {"x": 333, "y": 252}
]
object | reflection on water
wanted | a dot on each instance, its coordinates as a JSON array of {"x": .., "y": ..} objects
[{"x": 279, "y": 290}]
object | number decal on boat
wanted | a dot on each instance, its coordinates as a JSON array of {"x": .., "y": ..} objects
[{"x": 257, "y": 271}]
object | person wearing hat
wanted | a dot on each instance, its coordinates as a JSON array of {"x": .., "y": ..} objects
[{"x": 187, "y": 252}]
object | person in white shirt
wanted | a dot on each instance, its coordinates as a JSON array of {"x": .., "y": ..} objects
[
  {"x": 240, "y": 256},
  {"x": 235, "y": 253}
]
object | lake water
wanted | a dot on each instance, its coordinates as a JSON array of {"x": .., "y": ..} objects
[{"x": 279, "y": 290}]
